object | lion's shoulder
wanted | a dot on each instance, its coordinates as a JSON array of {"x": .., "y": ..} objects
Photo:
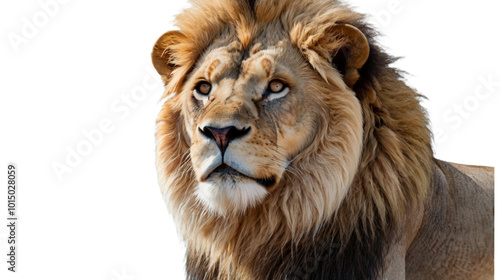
[
  {"x": 458, "y": 217},
  {"x": 482, "y": 175}
]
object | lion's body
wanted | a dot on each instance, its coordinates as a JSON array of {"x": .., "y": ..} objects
[
  {"x": 455, "y": 240},
  {"x": 328, "y": 175}
]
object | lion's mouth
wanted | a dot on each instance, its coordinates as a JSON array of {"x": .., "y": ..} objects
[{"x": 225, "y": 171}]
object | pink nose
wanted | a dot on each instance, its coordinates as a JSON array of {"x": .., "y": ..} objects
[{"x": 223, "y": 136}]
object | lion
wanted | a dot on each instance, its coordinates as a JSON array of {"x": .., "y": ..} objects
[{"x": 288, "y": 147}]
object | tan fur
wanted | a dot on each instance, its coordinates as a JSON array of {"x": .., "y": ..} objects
[{"x": 347, "y": 151}]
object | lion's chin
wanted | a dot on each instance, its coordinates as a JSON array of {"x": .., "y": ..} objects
[{"x": 225, "y": 194}]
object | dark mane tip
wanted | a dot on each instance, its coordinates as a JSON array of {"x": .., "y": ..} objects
[{"x": 250, "y": 3}]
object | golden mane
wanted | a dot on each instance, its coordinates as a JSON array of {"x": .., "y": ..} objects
[{"x": 392, "y": 178}]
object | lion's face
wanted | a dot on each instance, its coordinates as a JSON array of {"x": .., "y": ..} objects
[
  {"x": 248, "y": 114},
  {"x": 260, "y": 112}
]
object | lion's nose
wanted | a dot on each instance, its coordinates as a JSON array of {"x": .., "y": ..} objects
[{"x": 223, "y": 136}]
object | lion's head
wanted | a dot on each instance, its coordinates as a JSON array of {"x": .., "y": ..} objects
[{"x": 283, "y": 121}]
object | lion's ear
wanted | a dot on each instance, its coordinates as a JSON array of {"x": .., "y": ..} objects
[
  {"x": 352, "y": 53},
  {"x": 162, "y": 52}
]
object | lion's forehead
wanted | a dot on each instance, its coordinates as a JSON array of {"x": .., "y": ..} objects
[{"x": 256, "y": 64}]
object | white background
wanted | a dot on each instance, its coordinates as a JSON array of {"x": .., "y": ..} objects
[{"x": 79, "y": 63}]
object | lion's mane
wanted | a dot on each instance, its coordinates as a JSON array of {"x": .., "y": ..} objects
[{"x": 291, "y": 234}]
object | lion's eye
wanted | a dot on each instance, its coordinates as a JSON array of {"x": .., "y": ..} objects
[
  {"x": 276, "y": 86},
  {"x": 275, "y": 89},
  {"x": 203, "y": 88}
]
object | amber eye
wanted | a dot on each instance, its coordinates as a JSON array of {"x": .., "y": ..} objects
[
  {"x": 275, "y": 89},
  {"x": 276, "y": 86},
  {"x": 203, "y": 88}
]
